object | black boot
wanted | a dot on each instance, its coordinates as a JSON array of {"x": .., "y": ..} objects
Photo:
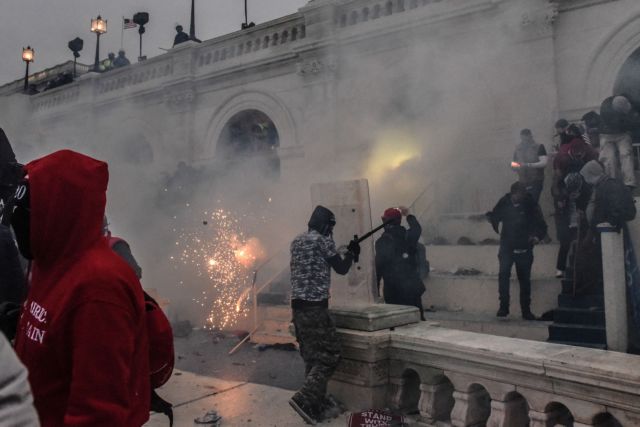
[
  {"x": 503, "y": 311},
  {"x": 527, "y": 314}
]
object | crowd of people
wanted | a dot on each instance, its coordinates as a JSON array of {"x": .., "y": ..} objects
[
  {"x": 593, "y": 181},
  {"x": 91, "y": 338}
]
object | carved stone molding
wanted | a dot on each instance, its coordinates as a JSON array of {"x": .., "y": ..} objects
[
  {"x": 318, "y": 66},
  {"x": 539, "y": 22},
  {"x": 180, "y": 101}
]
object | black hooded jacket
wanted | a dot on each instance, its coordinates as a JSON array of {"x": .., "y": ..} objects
[
  {"x": 12, "y": 280},
  {"x": 396, "y": 262},
  {"x": 519, "y": 223}
]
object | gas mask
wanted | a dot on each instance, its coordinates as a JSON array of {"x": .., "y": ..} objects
[{"x": 21, "y": 218}]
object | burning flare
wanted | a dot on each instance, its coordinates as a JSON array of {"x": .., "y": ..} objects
[{"x": 220, "y": 253}]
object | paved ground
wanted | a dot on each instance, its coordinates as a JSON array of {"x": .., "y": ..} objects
[
  {"x": 238, "y": 403},
  {"x": 205, "y": 353}
]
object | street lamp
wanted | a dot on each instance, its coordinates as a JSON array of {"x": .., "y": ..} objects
[
  {"x": 192, "y": 27},
  {"x": 76, "y": 46},
  {"x": 246, "y": 24},
  {"x": 27, "y": 56},
  {"x": 98, "y": 26},
  {"x": 141, "y": 18}
]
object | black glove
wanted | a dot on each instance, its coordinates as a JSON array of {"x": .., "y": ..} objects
[
  {"x": 9, "y": 316},
  {"x": 354, "y": 249}
]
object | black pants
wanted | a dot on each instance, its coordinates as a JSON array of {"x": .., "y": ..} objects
[
  {"x": 535, "y": 189},
  {"x": 563, "y": 251},
  {"x": 523, "y": 262}
]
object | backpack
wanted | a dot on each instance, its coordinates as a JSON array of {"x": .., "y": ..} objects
[{"x": 161, "y": 351}]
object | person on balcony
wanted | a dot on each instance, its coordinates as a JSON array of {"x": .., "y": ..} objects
[
  {"x": 397, "y": 260},
  {"x": 529, "y": 162},
  {"x": 313, "y": 255},
  {"x": 121, "y": 60},
  {"x": 181, "y": 36},
  {"x": 523, "y": 226}
]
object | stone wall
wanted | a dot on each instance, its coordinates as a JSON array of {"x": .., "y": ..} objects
[{"x": 455, "y": 378}]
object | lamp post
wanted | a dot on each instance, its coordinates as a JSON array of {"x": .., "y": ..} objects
[
  {"x": 98, "y": 26},
  {"x": 192, "y": 27},
  {"x": 141, "y": 18},
  {"x": 246, "y": 24},
  {"x": 76, "y": 46},
  {"x": 27, "y": 56}
]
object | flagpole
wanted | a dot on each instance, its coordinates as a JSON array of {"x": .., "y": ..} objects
[{"x": 122, "y": 35}]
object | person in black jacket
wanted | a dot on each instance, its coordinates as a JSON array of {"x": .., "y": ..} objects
[
  {"x": 396, "y": 260},
  {"x": 523, "y": 226}
]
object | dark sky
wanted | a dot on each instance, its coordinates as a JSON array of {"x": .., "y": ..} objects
[{"x": 48, "y": 25}]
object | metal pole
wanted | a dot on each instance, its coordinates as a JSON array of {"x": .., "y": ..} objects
[
  {"x": 96, "y": 64},
  {"x": 26, "y": 78},
  {"x": 246, "y": 14},
  {"x": 140, "y": 56},
  {"x": 192, "y": 28},
  {"x": 75, "y": 60}
]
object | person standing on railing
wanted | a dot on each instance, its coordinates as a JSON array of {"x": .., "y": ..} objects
[
  {"x": 616, "y": 150},
  {"x": 523, "y": 226},
  {"x": 313, "y": 255}
]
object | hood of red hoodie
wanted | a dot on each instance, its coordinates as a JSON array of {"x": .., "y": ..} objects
[{"x": 68, "y": 199}]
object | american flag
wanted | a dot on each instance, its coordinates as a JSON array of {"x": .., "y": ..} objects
[{"x": 128, "y": 23}]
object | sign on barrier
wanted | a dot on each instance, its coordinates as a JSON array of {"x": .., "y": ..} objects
[{"x": 375, "y": 418}]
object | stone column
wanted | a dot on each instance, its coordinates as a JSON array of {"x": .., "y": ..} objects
[
  {"x": 469, "y": 409},
  {"x": 615, "y": 288},
  {"x": 395, "y": 392},
  {"x": 434, "y": 401},
  {"x": 508, "y": 414}
]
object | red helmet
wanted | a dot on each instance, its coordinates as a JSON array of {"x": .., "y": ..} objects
[{"x": 392, "y": 213}]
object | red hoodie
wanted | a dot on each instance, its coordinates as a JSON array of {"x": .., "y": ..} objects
[{"x": 82, "y": 332}]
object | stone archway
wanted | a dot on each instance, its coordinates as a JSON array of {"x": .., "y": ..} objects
[
  {"x": 628, "y": 78},
  {"x": 250, "y": 136},
  {"x": 609, "y": 58},
  {"x": 267, "y": 104}
]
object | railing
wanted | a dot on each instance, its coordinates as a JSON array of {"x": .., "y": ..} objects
[
  {"x": 364, "y": 11},
  {"x": 455, "y": 378}
]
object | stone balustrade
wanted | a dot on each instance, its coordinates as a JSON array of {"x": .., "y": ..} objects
[
  {"x": 367, "y": 10},
  {"x": 281, "y": 32},
  {"x": 447, "y": 377}
]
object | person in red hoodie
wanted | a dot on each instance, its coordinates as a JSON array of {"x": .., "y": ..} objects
[{"x": 82, "y": 332}]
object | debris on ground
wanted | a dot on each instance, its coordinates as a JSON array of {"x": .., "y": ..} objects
[
  {"x": 465, "y": 241},
  {"x": 283, "y": 347},
  {"x": 489, "y": 241},
  {"x": 467, "y": 271},
  {"x": 211, "y": 418}
]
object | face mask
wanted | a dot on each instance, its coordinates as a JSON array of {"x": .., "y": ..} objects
[{"x": 21, "y": 219}]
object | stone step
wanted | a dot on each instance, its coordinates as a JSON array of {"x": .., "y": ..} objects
[
  {"x": 584, "y": 301},
  {"x": 448, "y": 258},
  {"x": 512, "y": 326},
  {"x": 580, "y": 344},
  {"x": 579, "y": 316},
  {"x": 577, "y": 333},
  {"x": 479, "y": 294}
]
